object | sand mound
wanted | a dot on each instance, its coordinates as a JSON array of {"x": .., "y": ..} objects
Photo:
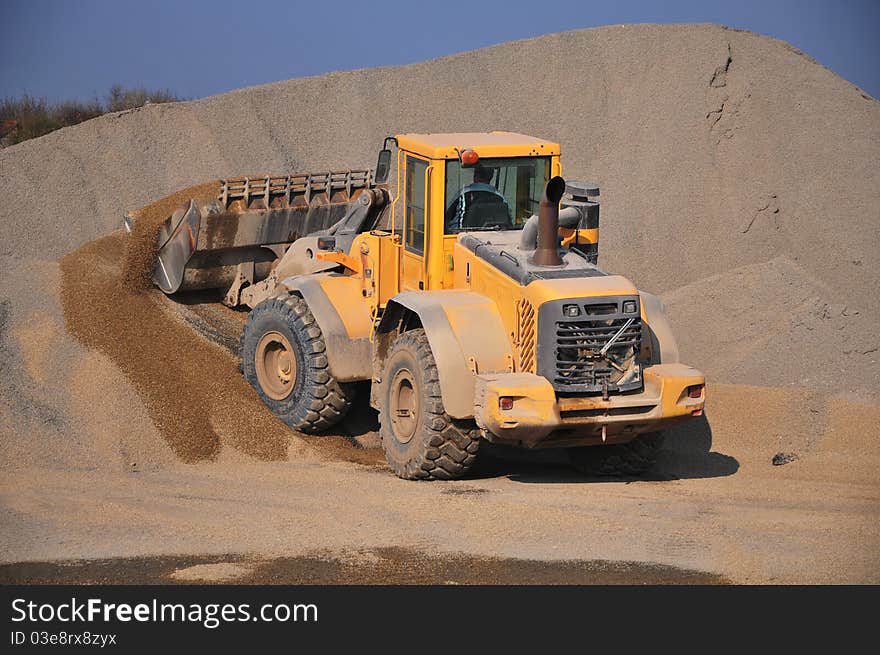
[
  {"x": 739, "y": 178},
  {"x": 192, "y": 391},
  {"x": 774, "y": 324}
]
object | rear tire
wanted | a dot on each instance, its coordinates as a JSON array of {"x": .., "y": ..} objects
[
  {"x": 283, "y": 357},
  {"x": 421, "y": 441},
  {"x": 632, "y": 458}
]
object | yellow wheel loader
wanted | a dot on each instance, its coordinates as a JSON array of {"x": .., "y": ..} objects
[{"x": 462, "y": 283}]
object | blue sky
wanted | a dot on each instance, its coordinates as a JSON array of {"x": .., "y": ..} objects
[{"x": 77, "y": 49}]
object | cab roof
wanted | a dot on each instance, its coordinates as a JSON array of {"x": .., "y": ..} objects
[{"x": 486, "y": 144}]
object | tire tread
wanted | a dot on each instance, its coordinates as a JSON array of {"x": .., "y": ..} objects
[
  {"x": 324, "y": 401},
  {"x": 632, "y": 458},
  {"x": 450, "y": 446}
]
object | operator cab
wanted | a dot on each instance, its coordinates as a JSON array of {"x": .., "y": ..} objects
[{"x": 451, "y": 184}]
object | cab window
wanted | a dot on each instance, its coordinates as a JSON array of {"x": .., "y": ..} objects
[
  {"x": 497, "y": 193},
  {"x": 414, "y": 238}
]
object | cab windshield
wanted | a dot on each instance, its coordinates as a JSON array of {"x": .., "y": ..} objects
[{"x": 495, "y": 194}]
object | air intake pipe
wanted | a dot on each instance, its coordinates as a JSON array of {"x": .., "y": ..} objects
[{"x": 547, "y": 251}]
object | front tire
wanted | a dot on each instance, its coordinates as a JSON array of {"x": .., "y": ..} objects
[
  {"x": 283, "y": 357},
  {"x": 421, "y": 441},
  {"x": 632, "y": 458}
]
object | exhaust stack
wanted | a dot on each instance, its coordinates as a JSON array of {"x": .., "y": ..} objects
[{"x": 547, "y": 251}]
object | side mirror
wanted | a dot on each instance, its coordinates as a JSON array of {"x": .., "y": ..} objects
[{"x": 383, "y": 166}]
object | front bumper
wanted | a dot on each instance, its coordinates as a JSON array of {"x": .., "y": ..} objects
[{"x": 538, "y": 419}]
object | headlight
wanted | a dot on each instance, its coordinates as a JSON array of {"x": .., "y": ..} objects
[
  {"x": 571, "y": 310},
  {"x": 629, "y": 307}
]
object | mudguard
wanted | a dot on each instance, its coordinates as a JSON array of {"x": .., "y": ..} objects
[
  {"x": 664, "y": 348},
  {"x": 467, "y": 338},
  {"x": 337, "y": 305}
]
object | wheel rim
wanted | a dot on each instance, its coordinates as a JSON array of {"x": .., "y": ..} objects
[
  {"x": 275, "y": 363},
  {"x": 405, "y": 405}
]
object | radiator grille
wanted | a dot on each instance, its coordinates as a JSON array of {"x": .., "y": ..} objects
[
  {"x": 571, "y": 348},
  {"x": 578, "y": 347}
]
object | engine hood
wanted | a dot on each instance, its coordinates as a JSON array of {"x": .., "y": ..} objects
[
  {"x": 541, "y": 291},
  {"x": 574, "y": 278}
]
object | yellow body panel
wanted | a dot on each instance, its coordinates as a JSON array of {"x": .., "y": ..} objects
[
  {"x": 384, "y": 249},
  {"x": 539, "y": 419},
  {"x": 471, "y": 272},
  {"x": 581, "y": 236},
  {"x": 534, "y": 413},
  {"x": 378, "y": 257},
  {"x": 435, "y": 260},
  {"x": 412, "y": 271},
  {"x": 541, "y": 291},
  {"x": 351, "y": 263},
  {"x": 345, "y": 292},
  {"x": 482, "y": 351},
  {"x": 486, "y": 144}
]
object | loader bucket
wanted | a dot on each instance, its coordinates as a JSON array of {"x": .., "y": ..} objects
[{"x": 204, "y": 242}]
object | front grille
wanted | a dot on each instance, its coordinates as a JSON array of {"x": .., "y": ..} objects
[
  {"x": 578, "y": 347},
  {"x": 570, "y": 348}
]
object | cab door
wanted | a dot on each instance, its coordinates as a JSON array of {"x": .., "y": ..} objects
[{"x": 415, "y": 203}]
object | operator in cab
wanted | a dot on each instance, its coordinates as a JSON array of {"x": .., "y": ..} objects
[{"x": 478, "y": 205}]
